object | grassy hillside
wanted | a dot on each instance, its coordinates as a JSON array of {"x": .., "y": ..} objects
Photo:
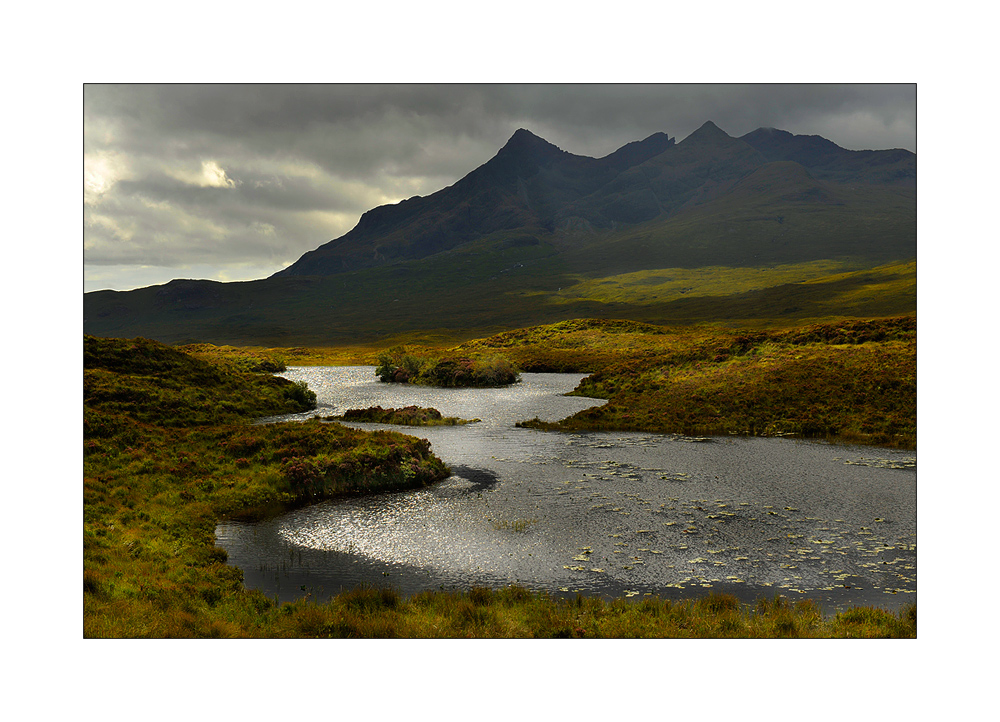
[{"x": 469, "y": 294}]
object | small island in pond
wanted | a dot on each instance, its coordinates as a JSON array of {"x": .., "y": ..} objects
[
  {"x": 407, "y": 416},
  {"x": 398, "y": 366}
]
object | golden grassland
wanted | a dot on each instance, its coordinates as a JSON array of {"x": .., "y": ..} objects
[
  {"x": 659, "y": 285},
  {"x": 853, "y": 382}
]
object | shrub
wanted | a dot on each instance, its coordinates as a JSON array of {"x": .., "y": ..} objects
[
  {"x": 396, "y": 366},
  {"x": 301, "y": 394}
]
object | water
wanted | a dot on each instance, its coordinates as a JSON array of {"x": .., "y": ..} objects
[{"x": 609, "y": 514}]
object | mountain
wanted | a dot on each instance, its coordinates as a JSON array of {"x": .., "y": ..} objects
[
  {"x": 705, "y": 164},
  {"x": 537, "y": 234},
  {"x": 524, "y": 186},
  {"x": 827, "y": 160}
]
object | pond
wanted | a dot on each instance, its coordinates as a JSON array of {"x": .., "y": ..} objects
[{"x": 608, "y": 514}]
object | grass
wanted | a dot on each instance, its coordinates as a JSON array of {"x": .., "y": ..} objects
[
  {"x": 254, "y": 360},
  {"x": 517, "y": 525},
  {"x": 169, "y": 450},
  {"x": 652, "y": 286},
  {"x": 517, "y": 613},
  {"x": 851, "y": 380}
]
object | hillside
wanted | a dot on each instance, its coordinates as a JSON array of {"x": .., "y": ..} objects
[{"x": 770, "y": 228}]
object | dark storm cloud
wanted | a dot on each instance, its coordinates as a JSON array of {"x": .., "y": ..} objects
[{"x": 177, "y": 176}]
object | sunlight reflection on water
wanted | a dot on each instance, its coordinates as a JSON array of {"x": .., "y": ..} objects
[{"x": 601, "y": 513}]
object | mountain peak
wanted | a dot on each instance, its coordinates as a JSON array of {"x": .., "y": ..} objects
[
  {"x": 524, "y": 141},
  {"x": 709, "y": 131},
  {"x": 523, "y": 133}
]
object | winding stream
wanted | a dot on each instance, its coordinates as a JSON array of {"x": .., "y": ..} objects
[{"x": 610, "y": 514}]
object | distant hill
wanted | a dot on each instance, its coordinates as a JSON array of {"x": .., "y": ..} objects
[{"x": 537, "y": 235}]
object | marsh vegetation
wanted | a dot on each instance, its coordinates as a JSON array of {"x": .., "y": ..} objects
[
  {"x": 399, "y": 366},
  {"x": 851, "y": 380},
  {"x": 405, "y": 416},
  {"x": 170, "y": 449}
]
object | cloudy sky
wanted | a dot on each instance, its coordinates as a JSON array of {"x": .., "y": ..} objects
[{"x": 235, "y": 182}]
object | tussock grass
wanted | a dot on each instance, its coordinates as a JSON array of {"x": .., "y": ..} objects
[
  {"x": 853, "y": 380},
  {"x": 254, "y": 360},
  {"x": 515, "y": 612}
]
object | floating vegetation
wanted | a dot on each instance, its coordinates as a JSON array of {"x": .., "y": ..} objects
[
  {"x": 904, "y": 463},
  {"x": 517, "y": 525}
]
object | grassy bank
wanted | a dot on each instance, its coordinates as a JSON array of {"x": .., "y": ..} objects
[
  {"x": 850, "y": 380},
  {"x": 169, "y": 450},
  {"x": 515, "y": 612}
]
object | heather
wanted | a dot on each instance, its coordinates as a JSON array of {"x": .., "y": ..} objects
[
  {"x": 405, "y": 416},
  {"x": 399, "y": 366}
]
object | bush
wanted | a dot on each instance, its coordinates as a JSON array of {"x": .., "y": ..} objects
[
  {"x": 302, "y": 395},
  {"x": 396, "y": 366}
]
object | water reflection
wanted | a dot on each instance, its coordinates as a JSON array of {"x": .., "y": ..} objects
[{"x": 611, "y": 514}]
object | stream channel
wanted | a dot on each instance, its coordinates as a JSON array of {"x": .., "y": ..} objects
[{"x": 609, "y": 514}]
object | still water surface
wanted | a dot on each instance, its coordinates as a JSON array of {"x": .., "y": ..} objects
[{"x": 609, "y": 514}]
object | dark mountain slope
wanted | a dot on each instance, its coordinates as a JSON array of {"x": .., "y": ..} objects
[
  {"x": 522, "y": 187},
  {"x": 777, "y": 214},
  {"x": 829, "y": 161},
  {"x": 702, "y": 166}
]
